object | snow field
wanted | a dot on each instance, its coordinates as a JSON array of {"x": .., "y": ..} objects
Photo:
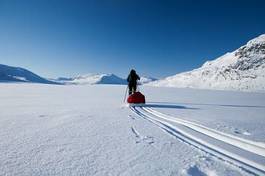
[{"x": 86, "y": 130}]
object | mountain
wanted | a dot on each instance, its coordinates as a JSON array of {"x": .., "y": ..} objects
[
  {"x": 17, "y": 74},
  {"x": 93, "y": 79},
  {"x": 101, "y": 79},
  {"x": 242, "y": 69},
  {"x": 145, "y": 80}
]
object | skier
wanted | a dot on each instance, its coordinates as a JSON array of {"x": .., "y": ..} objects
[{"x": 132, "y": 81}]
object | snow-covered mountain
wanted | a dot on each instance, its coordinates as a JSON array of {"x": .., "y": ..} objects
[
  {"x": 242, "y": 69},
  {"x": 93, "y": 79},
  {"x": 101, "y": 79},
  {"x": 17, "y": 74},
  {"x": 145, "y": 80}
]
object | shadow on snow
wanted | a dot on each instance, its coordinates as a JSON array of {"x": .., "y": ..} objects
[
  {"x": 174, "y": 105},
  {"x": 163, "y": 105}
]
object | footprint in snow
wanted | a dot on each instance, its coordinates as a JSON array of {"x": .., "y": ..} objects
[
  {"x": 234, "y": 130},
  {"x": 246, "y": 133},
  {"x": 149, "y": 139},
  {"x": 146, "y": 139},
  {"x": 195, "y": 170},
  {"x": 132, "y": 117}
]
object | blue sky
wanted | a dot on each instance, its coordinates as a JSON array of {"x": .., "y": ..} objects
[{"x": 158, "y": 38}]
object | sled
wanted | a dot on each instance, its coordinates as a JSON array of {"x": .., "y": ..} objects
[{"x": 136, "y": 98}]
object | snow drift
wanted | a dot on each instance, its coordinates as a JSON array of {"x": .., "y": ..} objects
[{"x": 242, "y": 69}]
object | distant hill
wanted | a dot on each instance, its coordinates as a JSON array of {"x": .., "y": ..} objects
[
  {"x": 100, "y": 79},
  {"x": 93, "y": 79},
  {"x": 17, "y": 74},
  {"x": 145, "y": 80}
]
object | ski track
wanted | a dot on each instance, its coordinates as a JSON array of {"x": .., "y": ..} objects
[
  {"x": 244, "y": 163},
  {"x": 252, "y": 146}
]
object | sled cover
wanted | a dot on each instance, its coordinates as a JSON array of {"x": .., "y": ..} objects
[{"x": 136, "y": 97}]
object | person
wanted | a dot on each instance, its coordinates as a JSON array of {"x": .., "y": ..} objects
[{"x": 132, "y": 81}]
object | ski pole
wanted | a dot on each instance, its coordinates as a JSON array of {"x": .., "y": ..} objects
[
  {"x": 125, "y": 94},
  {"x": 138, "y": 87}
]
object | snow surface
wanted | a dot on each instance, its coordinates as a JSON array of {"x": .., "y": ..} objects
[
  {"x": 87, "y": 130},
  {"x": 242, "y": 69}
]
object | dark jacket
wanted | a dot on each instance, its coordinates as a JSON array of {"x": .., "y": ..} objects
[{"x": 132, "y": 78}]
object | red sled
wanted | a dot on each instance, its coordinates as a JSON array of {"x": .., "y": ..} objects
[{"x": 136, "y": 98}]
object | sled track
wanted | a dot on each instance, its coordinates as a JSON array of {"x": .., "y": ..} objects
[
  {"x": 251, "y": 146},
  {"x": 193, "y": 138}
]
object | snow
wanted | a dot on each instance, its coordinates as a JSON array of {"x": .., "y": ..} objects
[
  {"x": 259, "y": 40},
  {"x": 242, "y": 69},
  {"x": 20, "y": 78},
  {"x": 87, "y": 130}
]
